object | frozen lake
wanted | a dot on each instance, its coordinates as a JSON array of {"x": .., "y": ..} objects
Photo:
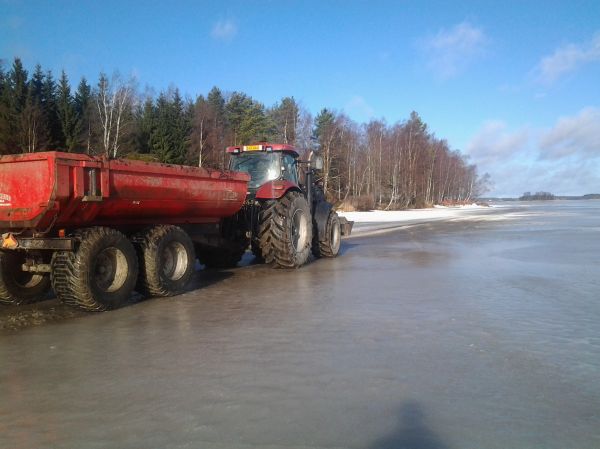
[{"x": 481, "y": 330}]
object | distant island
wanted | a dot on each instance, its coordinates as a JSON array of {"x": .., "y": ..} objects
[
  {"x": 545, "y": 196},
  {"x": 538, "y": 196}
]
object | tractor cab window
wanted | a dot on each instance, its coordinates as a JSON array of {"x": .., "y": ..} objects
[
  {"x": 261, "y": 167},
  {"x": 289, "y": 168}
]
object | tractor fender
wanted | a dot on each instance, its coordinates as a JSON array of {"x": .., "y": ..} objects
[
  {"x": 321, "y": 215},
  {"x": 274, "y": 190}
]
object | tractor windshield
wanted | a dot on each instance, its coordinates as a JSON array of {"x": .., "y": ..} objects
[{"x": 261, "y": 167}]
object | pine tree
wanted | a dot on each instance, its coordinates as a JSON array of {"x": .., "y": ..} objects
[
  {"x": 83, "y": 109},
  {"x": 171, "y": 135},
  {"x": 70, "y": 123},
  {"x": 13, "y": 101},
  {"x": 255, "y": 125},
  {"x": 18, "y": 85},
  {"x": 285, "y": 117},
  {"x": 49, "y": 107},
  {"x": 33, "y": 134},
  {"x": 236, "y": 108},
  {"x": 5, "y": 131},
  {"x": 145, "y": 123}
]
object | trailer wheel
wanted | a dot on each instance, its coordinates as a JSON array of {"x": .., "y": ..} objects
[
  {"x": 291, "y": 231},
  {"x": 100, "y": 275},
  {"x": 18, "y": 286},
  {"x": 328, "y": 245},
  {"x": 167, "y": 260}
]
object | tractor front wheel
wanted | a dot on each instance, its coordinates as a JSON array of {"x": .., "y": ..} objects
[
  {"x": 328, "y": 245},
  {"x": 290, "y": 231}
]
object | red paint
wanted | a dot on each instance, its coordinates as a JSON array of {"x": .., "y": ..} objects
[
  {"x": 274, "y": 147},
  {"x": 49, "y": 190},
  {"x": 275, "y": 189}
]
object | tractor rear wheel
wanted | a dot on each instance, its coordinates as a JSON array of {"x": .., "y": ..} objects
[
  {"x": 18, "y": 286},
  {"x": 100, "y": 274},
  {"x": 167, "y": 260},
  {"x": 291, "y": 231},
  {"x": 328, "y": 245},
  {"x": 261, "y": 245}
]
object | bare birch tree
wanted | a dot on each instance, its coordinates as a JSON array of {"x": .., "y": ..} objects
[{"x": 114, "y": 99}]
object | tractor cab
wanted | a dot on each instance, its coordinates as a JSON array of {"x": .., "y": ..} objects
[{"x": 265, "y": 162}]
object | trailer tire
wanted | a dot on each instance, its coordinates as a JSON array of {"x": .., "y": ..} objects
[
  {"x": 167, "y": 258},
  {"x": 100, "y": 274},
  {"x": 291, "y": 231},
  {"x": 329, "y": 244},
  {"x": 18, "y": 286}
]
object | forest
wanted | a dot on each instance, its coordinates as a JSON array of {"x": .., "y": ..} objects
[{"x": 366, "y": 165}]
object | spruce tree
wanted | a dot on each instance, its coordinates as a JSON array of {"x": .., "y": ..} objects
[
  {"x": 83, "y": 108},
  {"x": 55, "y": 139},
  {"x": 5, "y": 132},
  {"x": 70, "y": 123}
]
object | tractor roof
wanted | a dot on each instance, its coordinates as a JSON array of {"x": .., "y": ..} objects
[{"x": 264, "y": 146}]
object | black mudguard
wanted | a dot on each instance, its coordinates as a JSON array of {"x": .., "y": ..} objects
[{"x": 321, "y": 215}]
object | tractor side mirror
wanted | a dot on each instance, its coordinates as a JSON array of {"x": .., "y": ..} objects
[{"x": 317, "y": 162}]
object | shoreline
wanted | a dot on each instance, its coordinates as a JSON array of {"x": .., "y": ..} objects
[{"x": 376, "y": 221}]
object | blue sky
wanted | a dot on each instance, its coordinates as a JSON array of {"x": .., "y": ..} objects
[{"x": 514, "y": 84}]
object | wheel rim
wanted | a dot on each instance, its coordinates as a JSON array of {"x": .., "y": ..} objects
[
  {"x": 174, "y": 261},
  {"x": 110, "y": 270},
  {"x": 25, "y": 279},
  {"x": 335, "y": 236},
  {"x": 299, "y": 230}
]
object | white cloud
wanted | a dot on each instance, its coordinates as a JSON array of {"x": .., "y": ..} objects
[
  {"x": 568, "y": 58},
  {"x": 224, "y": 30},
  {"x": 563, "y": 159},
  {"x": 451, "y": 51},
  {"x": 577, "y": 136},
  {"x": 358, "y": 107},
  {"x": 495, "y": 142}
]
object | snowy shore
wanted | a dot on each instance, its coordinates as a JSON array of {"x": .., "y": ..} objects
[{"x": 381, "y": 220}]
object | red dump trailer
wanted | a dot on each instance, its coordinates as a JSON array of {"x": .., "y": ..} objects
[{"x": 95, "y": 228}]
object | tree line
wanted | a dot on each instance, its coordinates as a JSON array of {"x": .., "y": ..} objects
[
  {"x": 366, "y": 165},
  {"x": 537, "y": 196}
]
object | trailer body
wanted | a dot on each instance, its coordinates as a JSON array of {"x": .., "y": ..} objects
[{"x": 43, "y": 191}]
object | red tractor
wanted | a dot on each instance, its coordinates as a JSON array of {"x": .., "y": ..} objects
[{"x": 285, "y": 217}]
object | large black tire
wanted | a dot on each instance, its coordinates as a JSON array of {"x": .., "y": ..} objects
[
  {"x": 291, "y": 231},
  {"x": 167, "y": 260},
  {"x": 18, "y": 286},
  {"x": 261, "y": 244},
  {"x": 328, "y": 245},
  {"x": 100, "y": 274}
]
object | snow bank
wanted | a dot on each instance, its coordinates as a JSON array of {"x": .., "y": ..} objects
[
  {"x": 387, "y": 216},
  {"x": 381, "y": 220}
]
